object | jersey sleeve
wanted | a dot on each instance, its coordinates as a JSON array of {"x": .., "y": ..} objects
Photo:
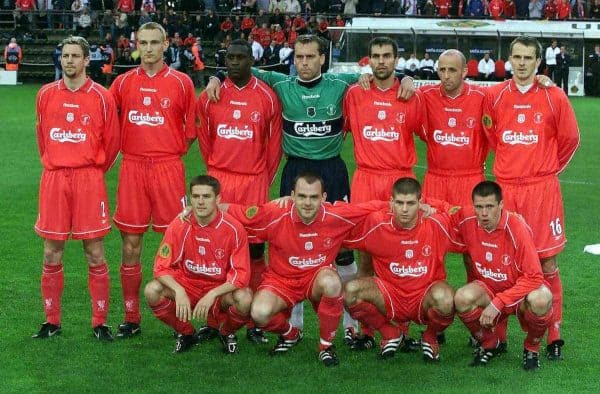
[
  {"x": 527, "y": 262},
  {"x": 274, "y": 151},
  {"x": 487, "y": 119},
  {"x": 269, "y": 77},
  {"x": 419, "y": 125},
  {"x": 356, "y": 213},
  {"x": 239, "y": 268},
  {"x": 190, "y": 110},
  {"x": 112, "y": 132},
  {"x": 41, "y": 143},
  {"x": 202, "y": 129},
  {"x": 358, "y": 237},
  {"x": 348, "y": 77},
  {"x": 170, "y": 250},
  {"x": 568, "y": 131},
  {"x": 257, "y": 220}
]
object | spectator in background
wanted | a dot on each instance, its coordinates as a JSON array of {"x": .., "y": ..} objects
[
  {"x": 84, "y": 24},
  {"x": 443, "y": 8},
  {"x": 126, "y": 6},
  {"x": 426, "y": 67},
  {"x": 486, "y": 68},
  {"x": 400, "y": 66},
  {"x": 277, "y": 18},
  {"x": 27, "y": 8},
  {"x": 284, "y": 54},
  {"x": 293, "y": 7},
  {"x": 562, "y": 69},
  {"x": 145, "y": 17},
  {"x": 350, "y": 7},
  {"x": 550, "y": 57},
  {"x": 595, "y": 9},
  {"x": 261, "y": 18},
  {"x": 410, "y": 7},
  {"x": 279, "y": 5},
  {"x": 475, "y": 8},
  {"x": 592, "y": 67},
  {"x": 257, "y": 49},
  {"x": 56, "y": 54},
  {"x": 299, "y": 24},
  {"x": 12, "y": 55},
  {"x": 220, "y": 55},
  {"x": 578, "y": 10},
  {"x": 271, "y": 54},
  {"x": 563, "y": 10},
  {"x": 536, "y": 8},
  {"x": 522, "y": 9},
  {"x": 508, "y": 70},
  {"x": 496, "y": 8},
  {"x": 412, "y": 66},
  {"x": 172, "y": 55},
  {"x": 278, "y": 35},
  {"x": 250, "y": 7},
  {"x": 211, "y": 24},
  {"x": 247, "y": 24},
  {"x": 77, "y": 9},
  {"x": 550, "y": 9},
  {"x": 105, "y": 24},
  {"x": 198, "y": 65},
  {"x": 510, "y": 9}
]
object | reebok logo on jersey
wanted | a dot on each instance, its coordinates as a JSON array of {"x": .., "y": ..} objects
[
  {"x": 450, "y": 139},
  {"x": 306, "y": 262},
  {"x": 59, "y": 135},
  {"x": 145, "y": 119},
  {"x": 489, "y": 274},
  {"x": 312, "y": 129},
  {"x": 233, "y": 132},
  {"x": 212, "y": 270},
  {"x": 519, "y": 138},
  {"x": 375, "y": 134},
  {"x": 408, "y": 270}
]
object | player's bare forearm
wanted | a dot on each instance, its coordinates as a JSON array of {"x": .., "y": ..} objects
[
  {"x": 206, "y": 302},
  {"x": 183, "y": 309}
]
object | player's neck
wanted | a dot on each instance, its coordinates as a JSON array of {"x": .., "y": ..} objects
[
  {"x": 455, "y": 92},
  {"x": 524, "y": 82},
  {"x": 385, "y": 84},
  {"x": 205, "y": 220},
  {"x": 241, "y": 82},
  {"x": 75, "y": 83},
  {"x": 152, "y": 69}
]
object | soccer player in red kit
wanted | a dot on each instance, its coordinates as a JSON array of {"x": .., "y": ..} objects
[
  {"x": 508, "y": 276},
  {"x": 410, "y": 279},
  {"x": 534, "y": 134},
  {"x": 202, "y": 270},
  {"x": 157, "y": 123},
  {"x": 304, "y": 239},
  {"x": 78, "y": 139},
  {"x": 382, "y": 129}
]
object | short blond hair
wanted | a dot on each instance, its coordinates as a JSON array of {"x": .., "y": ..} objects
[{"x": 154, "y": 26}]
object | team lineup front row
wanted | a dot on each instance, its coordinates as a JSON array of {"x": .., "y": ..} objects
[{"x": 211, "y": 266}]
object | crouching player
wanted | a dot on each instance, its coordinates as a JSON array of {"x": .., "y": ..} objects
[
  {"x": 202, "y": 270},
  {"x": 508, "y": 277},
  {"x": 408, "y": 252}
]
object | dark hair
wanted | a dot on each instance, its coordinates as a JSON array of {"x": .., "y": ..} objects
[
  {"x": 381, "y": 41},
  {"x": 308, "y": 38},
  {"x": 242, "y": 43},
  {"x": 528, "y": 42},
  {"x": 310, "y": 178},
  {"x": 77, "y": 40},
  {"x": 407, "y": 186},
  {"x": 206, "y": 180},
  {"x": 487, "y": 188}
]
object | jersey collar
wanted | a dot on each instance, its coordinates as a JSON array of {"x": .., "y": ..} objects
[
  {"x": 162, "y": 72},
  {"x": 84, "y": 88},
  {"x": 252, "y": 82},
  {"x": 513, "y": 86},
  {"x": 215, "y": 223}
]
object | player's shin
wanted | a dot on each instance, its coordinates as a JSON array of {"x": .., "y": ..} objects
[
  {"x": 164, "y": 310},
  {"x": 471, "y": 321},
  {"x": 329, "y": 313},
  {"x": 234, "y": 320},
  {"x": 367, "y": 314},
  {"x": 99, "y": 287},
  {"x": 131, "y": 280},
  {"x": 535, "y": 326},
  {"x": 553, "y": 279},
  {"x": 436, "y": 323},
  {"x": 347, "y": 273},
  {"x": 53, "y": 281},
  {"x": 279, "y": 324}
]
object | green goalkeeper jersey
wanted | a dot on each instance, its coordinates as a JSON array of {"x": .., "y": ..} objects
[{"x": 312, "y": 112}]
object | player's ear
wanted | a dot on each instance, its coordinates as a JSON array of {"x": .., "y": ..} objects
[
  {"x": 500, "y": 204},
  {"x": 324, "y": 195},
  {"x": 322, "y": 59}
]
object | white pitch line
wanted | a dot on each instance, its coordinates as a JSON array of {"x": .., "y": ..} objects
[{"x": 566, "y": 181}]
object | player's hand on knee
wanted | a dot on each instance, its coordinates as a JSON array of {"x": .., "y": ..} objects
[
  {"x": 184, "y": 216},
  {"x": 202, "y": 307},
  {"x": 183, "y": 309}
]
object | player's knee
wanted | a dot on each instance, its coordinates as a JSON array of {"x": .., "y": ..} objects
[
  {"x": 261, "y": 313},
  {"x": 444, "y": 302},
  {"x": 351, "y": 290},
  {"x": 540, "y": 301},
  {"x": 95, "y": 255},
  {"x": 242, "y": 299},
  {"x": 53, "y": 252},
  {"x": 132, "y": 247},
  {"x": 464, "y": 299},
  {"x": 549, "y": 265},
  {"x": 257, "y": 251},
  {"x": 330, "y": 283},
  {"x": 152, "y": 292}
]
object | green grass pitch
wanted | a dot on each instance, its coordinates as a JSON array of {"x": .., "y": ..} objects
[{"x": 76, "y": 362}]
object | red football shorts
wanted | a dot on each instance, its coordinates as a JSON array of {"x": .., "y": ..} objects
[
  {"x": 150, "y": 189},
  {"x": 540, "y": 203},
  {"x": 450, "y": 188},
  {"x": 73, "y": 202},
  {"x": 368, "y": 185},
  {"x": 195, "y": 291},
  {"x": 242, "y": 189},
  {"x": 290, "y": 291},
  {"x": 400, "y": 308}
]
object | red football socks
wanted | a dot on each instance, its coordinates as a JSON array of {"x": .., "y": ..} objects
[
  {"x": 329, "y": 312},
  {"x": 233, "y": 322},
  {"x": 131, "y": 280},
  {"x": 279, "y": 324},
  {"x": 99, "y": 286},
  {"x": 53, "y": 283},
  {"x": 553, "y": 279},
  {"x": 369, "y": 315},
  {"x": 471, "y": 321},
  {"x": 165, "y": 311},
  {"x": 536, "y": 327},
  {"x": 436, "y": 323}
]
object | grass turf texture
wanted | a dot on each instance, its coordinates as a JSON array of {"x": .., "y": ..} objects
[{"x": 76, "y": 362}]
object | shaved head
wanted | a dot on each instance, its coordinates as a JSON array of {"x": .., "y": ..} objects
[{"x": 457, "y": 53}]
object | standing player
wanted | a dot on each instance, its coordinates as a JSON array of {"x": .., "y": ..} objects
[
  {"x": 78, "y": 139},
  {"x": 534, "y": 134},
  {"x": 157, "y": 120},
  {"x": 312, "y": 128},
  {"x": 202, "y": 270},
  {"x": 382, "y": 128},
  {"x": 240, "y": 140},
  {"x": 304, "y": 239},
  {"x": 410, "y": 278},
  {"x": 507, "y": 277}
]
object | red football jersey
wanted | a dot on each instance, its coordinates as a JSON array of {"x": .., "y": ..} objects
[
  {"x": 456, "y": 142},
  {"x": 505, "y": 259},
  {"x": 242, "y": 132},
  {"x": 534, "y": 134},
  {"x": 297, "y": 249},
  {"x": 209, "y": 255},
  {"x": 411, "y": 259},
  {"x": 382, "y": 127},
  {"x": 77, "y": 128},
  {"x": 157, "y": 113}
]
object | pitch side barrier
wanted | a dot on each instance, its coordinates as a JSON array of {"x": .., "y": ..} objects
[{"x": 471, "y": 37}]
